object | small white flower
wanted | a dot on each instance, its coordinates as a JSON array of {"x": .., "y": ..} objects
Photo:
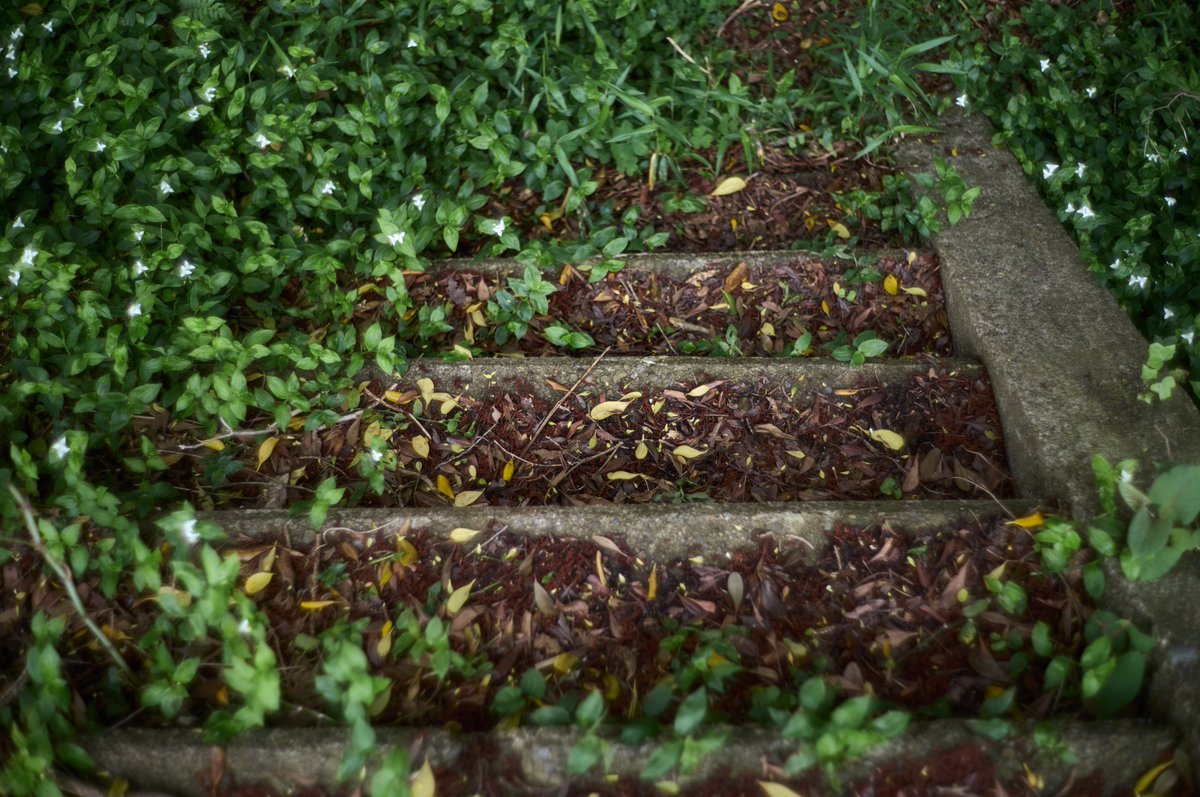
[
  {"x": 376, "y": 456},
  {"x": 328, "y": 188},
  {"x": 1044, "y": 64},
  {"x": 11, "y": 53},
  {"x": 138, "y": 233},
  {"x": 134, "y": 310},
  {"x": 244, "y": 627},
  {"x": 1188, "y": 336},
  {"x": 18, "y": 224},
  {"x": 186, "y": 268},
  {"x": 1137, "y": 282},
  {"x": 961, "y": 100},
  {"x": 15, "y": 277},
  {"x": 60, "y": 449},
  {"x": 188, "y": 532},
  {"x": 77, "y": 103},
  {"x": 412, "y": 43},
  {"x": 1116, "y": 264},
  {"x": 1152, "y": 157},
  {"x": 12, "y": 72},
  {"x": 1091, "y": 91},
  {"x": 165, "y": 187},
  {"x": 261, "y": 141},
  {"x": 100, "y": 146},
  {"x": 193, "y": 114},
  {"x": 1070, "y": 207},
  {"x": 139, "y": 268},
  {"x": 1086, "y": 212},
  {"x": 419, "y": 201},
  {"x": 498, "y": 229},
  {"x": 1127, "y": 476},
  {"x": 16, "y": 34},
  {"x": 1170, "y": 200},
  {"x": 57, "y": 127},
  {"x": 1182, "y": 151},
  {"x": 1048, "y": 170},
  {"x": 1168, "y": 314},
  {"x": 28, "y": 256},
  {"x": 204, "y": 51},
  {"x": 209, "y": 93},
  {"x": 1079, "y": 170},
  {"x": 287, "y": 71},
  {"x": 396, "y": 238},
  {"x": 49, "y": 26}
]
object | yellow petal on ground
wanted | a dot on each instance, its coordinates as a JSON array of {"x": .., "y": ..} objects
[
  {"x": 458, "y": 598},
  {"x": 461, "y": 535},
  {"x": 423, "y": 783},
  {"x": 509, "y": 469},
  {"x": 839, "y": 229},
  {"x": 890, "y": 284},
  {"x": 889, "y": 438},
  {"x": 443, "y": 486},
  {"x": 257, "y": 582},
  {"x": 213, "y": 445},
  {"x": 467, "y": 497},
  {"x": 915, "y": 291},
  {"x": 426, "y": 387},
  {"x": 730, "y": 185},
  {"x": 642, "y": 451},
  {"x": 621, "y": 476},
  {"x": 687, "y": 452},
  {"x": 1028, "y": 522},
  {"x": 420, "y": 445},
  {"x": 266, "y": 449},
  {"x": 607, "y": 409},
  {"x": 313, "y": 606}
]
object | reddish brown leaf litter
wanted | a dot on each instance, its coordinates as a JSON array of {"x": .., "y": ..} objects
[
  {"x": 639, "y": 312},
  {"x": 719, "y": 441}
]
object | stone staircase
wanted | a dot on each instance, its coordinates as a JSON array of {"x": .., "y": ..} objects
[{"x": 1064, "y": 365}]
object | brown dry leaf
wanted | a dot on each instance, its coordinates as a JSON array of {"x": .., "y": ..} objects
[
  {"x": 736, "y": 277},
  {"x": 542, "y": 600}
]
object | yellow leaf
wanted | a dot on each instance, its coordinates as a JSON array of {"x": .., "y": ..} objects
[
  {"x": 652, "y": 584},
  {"x": 564, "y": 663},
  {"x": 687, "y": 452},
  {"x": 384, "y": 645},
  {"x": 458, "y": 598},
  {"x": 420, "y": 444},
  {"x": 767, "y": 329},
  {"x": 825, "y": 306},
  {"x": 448, "y": 406},
  {"x": 463, "y": 351},
  {"x": 730, "y": 185},
  {"x": 699, "y": 391},
  {"x": 461, "y": 535},
  {"x": 779, "y": 12},
  {"x": 622, "y": 476},
  {"x": 628, "y": 397},
  {"x": 393, "y": 395},
  {"x": 406, "y": 552},
  {"x": 658, "y": 405},
  {"x": 426, "y": 387},
  {"x": 32, "y": 9},
  {"x": 888, "y": 438},
  {"x": 257, "y": 582},
  {"x": 467, "y": 497},
  {"x": 265, "y": 450},
  {"x": 776, "y": 789},
  {"x": 891, "y": 284},
  {"x": 840, "y": 229},
  {"x": 642, "y": 451},
  {"x": 1146, "y": 781},
  {"x": 797, "y": 454},
  {"x": 510, "y": 468},
  {"x": 213, "y": 445},
  {"x": 312, "y": 606},
  {"x": 912, "y": 258},
  {"x": 915, "y": 291},
  {"x": 184, "y": 598},
  {"x": 607, "y": 409},
  {"x": 423, "y": 782},
  {"x": 443, "y": 486},
  {"x": 1028, "y": 522},
  {"x": 269, "y": 560}
]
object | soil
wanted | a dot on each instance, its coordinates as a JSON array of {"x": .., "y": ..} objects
[
  {"x": 635, "y": 312},
  {"x": 715, "y": 441}
]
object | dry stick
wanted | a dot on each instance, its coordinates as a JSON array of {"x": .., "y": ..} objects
[
  {"x": 533, "y": 438},
  {"x": 68, "y": 582},
  {"x": 382, "y": 402},
  {"x": 743, "y": 8},
  {"x": 265, "y": 430}
]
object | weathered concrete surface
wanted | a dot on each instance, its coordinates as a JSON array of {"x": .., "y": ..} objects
[
  {"x": 174, "y": 762},
  {"x": 657, "y": 531},
  {"x": 809, "y": 377},
  {"x": 1064, "y": 360}
]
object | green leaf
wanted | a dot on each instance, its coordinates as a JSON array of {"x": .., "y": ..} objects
[
  {"x": 995, "y": 729},
  {"x": 590, "y": 710},
  {"x": 1040, "y": 639},
  {"x": 663, "y": 760},
  {"x": 1148, "y": 535},
  {"x": 691, "y": 712},
  {"x": 853, "y": 713},
  {"x": 586, "y": 754},
  {"x": 1097, "y": 652},
  {"x": 1177, "y": 494},
  {"x": 1121, "y": 686}
]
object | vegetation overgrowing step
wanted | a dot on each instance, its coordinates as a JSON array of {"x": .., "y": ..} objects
[
  {"x": 500, "y": 433},
  {"x": 762, "y": 305}
]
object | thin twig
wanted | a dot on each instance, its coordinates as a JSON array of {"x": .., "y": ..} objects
[
  {"x": 265, "y": 430},
  {"x": 382, "y": 402},
  {"x": 68, "y": 582},
  {"x": 742, "y": 9},
  {"x": 536, "y": 432}
]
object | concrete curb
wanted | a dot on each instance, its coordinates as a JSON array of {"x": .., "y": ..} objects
[
  {"x": 657, "y": 531},
  {"x": 173, "y": 761}
]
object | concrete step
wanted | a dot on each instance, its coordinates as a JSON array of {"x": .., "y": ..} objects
[{"x": 1087, "y": 759}]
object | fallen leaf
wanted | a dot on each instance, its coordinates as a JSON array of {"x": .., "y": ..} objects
[
  {"x": 467, "y": 497},
  {"x": 687, "y": 452},
  {"x": 607, "y": 409},
  {"x": 912, "y": 257},
  {"x": 1029, "y": 521},
  {"x": 652, "y": 586},
  {"x": 425, "y": 385},
  {"x": 890, "y": 284},
  {"x": 257, "y": 582},
  {"x": 423, "y": 783},
  {"x": 776, "y": 789},
  {"x": 384, "y": 645},
  {"x": 730, "y": 185},
  {"x": 443, "y": 486},
  {"x": 621, "y": 476},
  {"x": 889, "y": 438},
  {"x": 779, "y": 12},
  {"x": 266, "y": 449},
  {"x": 461, "y": 535},
  {"x": 213, "y": 445},
  {"x": 797, "y": 454},
  {"x": 641, "y": 451},
  {"x": 542, "y": 600},
  {"x": 839, "y": 229},
  {"x": 312, "y": 606},
  {"x": 458, "y": 598},
  {"x": 393, "y": 396},
  {"x": 420, "y": 445},
  {"x": 509, "y": 469},
  {"x": 915, "y": 291},
  {"x": 736, "y": 277},
  {"x": 736, "y": 588},
  {"x": 406, "y": 552}
]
